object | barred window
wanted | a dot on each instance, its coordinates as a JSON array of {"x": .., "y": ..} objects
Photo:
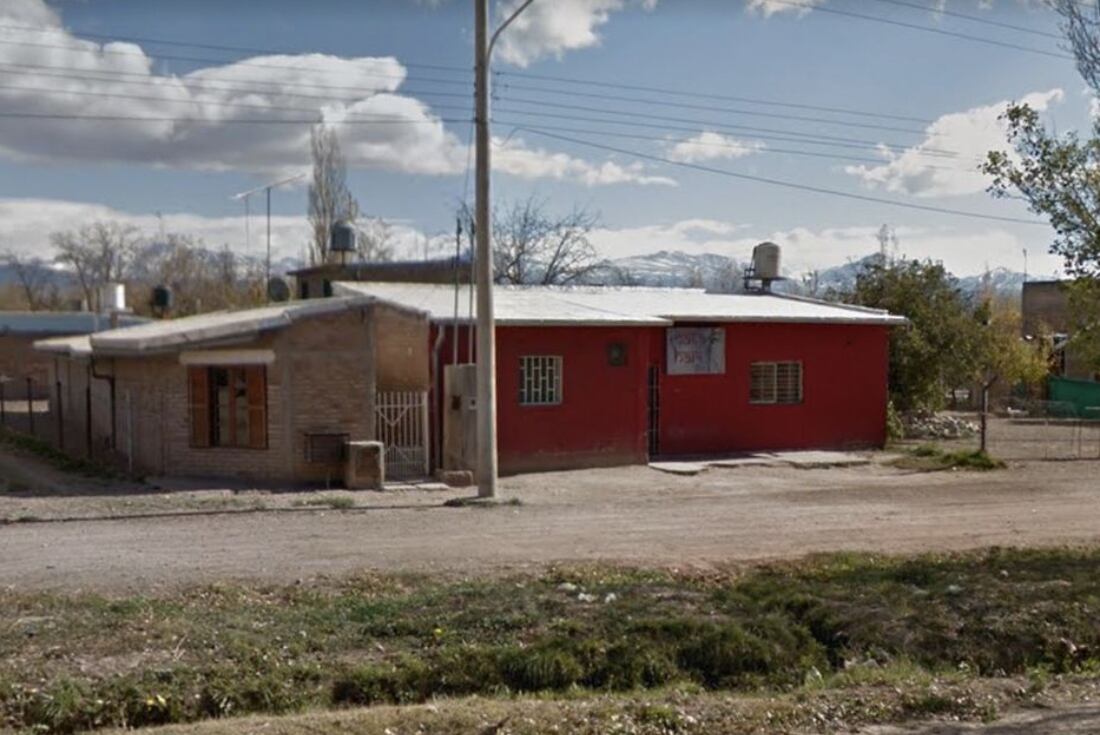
[
  {"x": 539, "y": 380},
  {"x": 776, "y": 382}
]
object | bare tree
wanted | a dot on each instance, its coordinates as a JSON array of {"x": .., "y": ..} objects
[
  {"x": 375, "y": 240},
  {"x": 33, "y": 276},
  {"x": 330, "y": 201},
  {"x": 201, "y": 279},
  {"x": 1081, "y": 26},
  {"x": 533, "y": 247},
  {"x": 98, "y": 254}
]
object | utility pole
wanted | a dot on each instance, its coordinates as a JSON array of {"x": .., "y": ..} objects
[
  {"x": 486, "y": 330},
  {"x": 486, "y": 335}
]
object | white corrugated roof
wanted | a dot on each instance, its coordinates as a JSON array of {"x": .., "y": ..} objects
[
  {"x": 170, "y": 334},
  {"x": 60, "y": 322},
  {"x": 615, "y": 306}
]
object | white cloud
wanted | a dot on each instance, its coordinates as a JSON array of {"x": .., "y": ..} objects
[
  {"x": 552, "y": 28},
  {"x": 514, "y": 157},
  {"x": 924, "y": 171},
  {"x": 768, "y": 8},
  {"x": 26, "y": 224},
  {"x": 252, "y": 115},
  {"x": 963, "y": 251},
  {"x": 711, "y": 146}
]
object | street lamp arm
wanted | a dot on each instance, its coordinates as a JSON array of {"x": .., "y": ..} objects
[{"x": 492, "y": 41}]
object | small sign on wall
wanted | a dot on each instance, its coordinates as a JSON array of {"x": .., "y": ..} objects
[{"x": 696, "y": 350}]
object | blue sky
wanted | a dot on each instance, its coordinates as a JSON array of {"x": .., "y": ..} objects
[{"x": 368, "y": 59}]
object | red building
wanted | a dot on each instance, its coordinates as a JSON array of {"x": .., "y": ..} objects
[{"x": 605, "y": 376}]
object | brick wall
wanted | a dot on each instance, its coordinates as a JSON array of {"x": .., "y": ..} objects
[
  {"x": 18, "y": 361},
  {"x": 321, "y": 382}
]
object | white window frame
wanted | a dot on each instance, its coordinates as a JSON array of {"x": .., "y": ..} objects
[
  {"x": 540, "y": 380},
  {"x": 771, "y": 396}
]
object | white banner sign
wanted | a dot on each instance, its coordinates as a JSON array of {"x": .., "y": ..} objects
[{"x": 696, "y": 350}]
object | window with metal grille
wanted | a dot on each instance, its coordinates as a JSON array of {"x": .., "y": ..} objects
[
  {"x": 776, "y": 382},
  {"x": 539, "y": 380}
]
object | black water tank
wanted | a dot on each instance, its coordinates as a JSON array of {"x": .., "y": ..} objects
[
  {"x": 342, "y": 239},
  {"x": 162, "y": 298}
]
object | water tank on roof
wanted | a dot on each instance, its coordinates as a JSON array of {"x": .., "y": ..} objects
[
  {"x": 765, "y": 261},
  {"x": 342, "y": 239},
  {"x": 161, "y": 299}
]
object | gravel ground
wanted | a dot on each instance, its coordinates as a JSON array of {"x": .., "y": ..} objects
[{"x": 631, "y": 515}]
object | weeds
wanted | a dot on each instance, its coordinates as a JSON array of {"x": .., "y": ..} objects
[
  {"x": 60, "y": 460},
  {"x": 335, "y": 502},
  {"x": 838, "y": 621},
  {"x": 930, "y": 458}
]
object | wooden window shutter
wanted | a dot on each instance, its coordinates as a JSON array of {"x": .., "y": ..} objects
[
  {"x": 256, "y": 379},
  {"x": 198, "y": 379}
]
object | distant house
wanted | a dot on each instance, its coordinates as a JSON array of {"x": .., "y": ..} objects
[
  {"x": 592, "y": 376},
  {"x": 19, "y": 330},
  {"x": 316, "y": 281},
  {"x": 269, "y": 394},
  {"x": 1045, "y": 311}
]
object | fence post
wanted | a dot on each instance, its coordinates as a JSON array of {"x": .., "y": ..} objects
[
  {"x": 3, "y": 404},
  {"x": 30, "y": 403},
  {"x": 985, "y": 415},
  {"x": 60, "y": 419}
]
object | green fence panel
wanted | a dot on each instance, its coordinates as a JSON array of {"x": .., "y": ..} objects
[{"x": 1083, "y": 395}]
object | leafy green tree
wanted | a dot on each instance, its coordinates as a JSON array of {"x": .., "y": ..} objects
[
  {"x": 936, "y": 351},
  {"x": 1000, "y": 354}
]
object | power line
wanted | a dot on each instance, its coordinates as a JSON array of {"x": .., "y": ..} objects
[
  {"x": 787, "y": 184},
  {"x": 928, "y": 29},
  {"x": 208, "y": 60},
  {"x": 153, "y": 79},
  {"x": 170, "y": 100},
  {"x": 972, "y": 18},
  {"x": 702, "y": 126},
  {"x": 226, "y": 121},
  {"x": 726, "y": 110},
  {"x": 715, "y": 144},
  {"x": 165, "y": 83},
  {"x": 697, "y": 95},
  {"x": 77, "y": 34}
]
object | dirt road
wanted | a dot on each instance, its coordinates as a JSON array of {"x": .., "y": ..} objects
[
  {"x": 1068, "y": 721},
  {"x": 632, "y": 515}
]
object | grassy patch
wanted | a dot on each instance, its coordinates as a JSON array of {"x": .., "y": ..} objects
[
  {"x": 930, "y": 458},
  {"x": 70, "y": 663},
  {"x": 62, "y": 461}
]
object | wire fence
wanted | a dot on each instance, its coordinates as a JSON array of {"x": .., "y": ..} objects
[{"x": 1032, "y": 429}]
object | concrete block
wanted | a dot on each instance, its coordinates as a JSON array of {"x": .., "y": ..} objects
[{"x": 366, "y": 467}]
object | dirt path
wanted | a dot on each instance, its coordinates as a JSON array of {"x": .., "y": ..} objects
[
  {"x": 1068, "y": 721},
  {"x": 632, "y": 515}
]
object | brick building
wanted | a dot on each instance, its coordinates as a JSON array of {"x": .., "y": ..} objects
[
  {"x": 1046, "y": 311},
  {"x": 19, "y": 330},
  {"x": 269, "y": 394}
]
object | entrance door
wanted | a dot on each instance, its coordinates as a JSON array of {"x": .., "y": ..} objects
[{"x": 653, "y": 411}]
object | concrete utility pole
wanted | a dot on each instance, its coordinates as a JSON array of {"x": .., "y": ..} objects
[{"x": 486, "y": 334}]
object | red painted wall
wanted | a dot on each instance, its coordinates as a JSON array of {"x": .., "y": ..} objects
[
  {"x": 602, "y": 419},
  {"x": 844, "y": 371}
]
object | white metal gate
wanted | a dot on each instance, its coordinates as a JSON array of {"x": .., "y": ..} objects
[{"x": 401, "y": 424}]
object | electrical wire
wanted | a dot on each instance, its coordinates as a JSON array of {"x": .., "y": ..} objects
[
  {"x": 972, "y": 18},
  {"x": 225, "y": 121},
  {"x": 726, "y": 110},
  {"x": 169, "y": 100},
  {"x": 927, "y": 29},
  {"x": 715, "y": 144},
  {"x": 207, "y": 60},
  {"x": 787, "y": 184},
  {"x": 764, "y": 133},
  {"x": 78, "y": 34},
  {"x": 697, "y": 95}
]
